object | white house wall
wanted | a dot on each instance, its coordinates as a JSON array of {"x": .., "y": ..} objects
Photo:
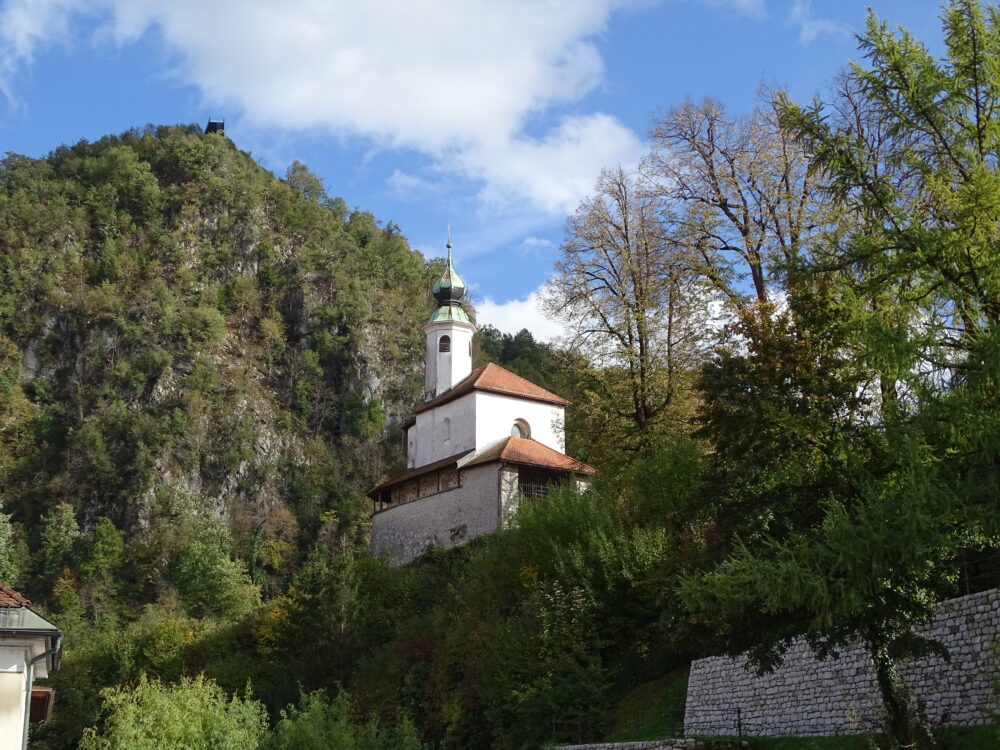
[
  {"x": 508, "y": 494},
  {"x": 446, "y": 519},
  {"x": 443, "y": 370},
  {"x": 477, "y": 421},
  {"x": 495, "y": 415},
  {"x": 14, "y": 656},
  {"x": 411, "y": 446},
  {"x": 433, "y": 442},
  {"x": 11, "y": 710}
]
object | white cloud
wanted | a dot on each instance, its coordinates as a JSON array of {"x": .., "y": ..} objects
[
  {"x": 809, "y": 27},
  {"x": 457, "y": 81},
  {"x": 555, "y": 172},
  {"x": 405, "y": 184},
  {"x": 753, "y": 8},
  {"x": 26, "y": 25},
  {"x": 513, "y": 315},
  {"x": 537, "y": 243}
]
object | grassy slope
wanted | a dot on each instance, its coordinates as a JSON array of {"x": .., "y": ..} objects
[
  {"x": 655, "y": 710},
  {"x": 651, "y": 710}
]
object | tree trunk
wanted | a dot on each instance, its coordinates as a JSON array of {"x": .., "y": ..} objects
[{"x": 899, "y": 719}]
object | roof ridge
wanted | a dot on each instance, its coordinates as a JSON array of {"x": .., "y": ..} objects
[
  {"x": 11, "y": 598},
  {"x": 528, "y": 451},
  {"x": 489, "y": 378},
  {"x": 417, "y": 471}
]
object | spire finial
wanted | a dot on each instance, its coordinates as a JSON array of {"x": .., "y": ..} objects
[{"x": 449, "y": 290}]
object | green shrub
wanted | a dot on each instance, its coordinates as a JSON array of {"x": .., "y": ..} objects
[{"x": 191, "y": 715}]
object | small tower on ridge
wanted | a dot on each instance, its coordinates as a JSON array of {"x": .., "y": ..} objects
[{"x": 448, "y": 333}]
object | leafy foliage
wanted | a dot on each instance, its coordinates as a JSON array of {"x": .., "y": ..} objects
[
  {"x": 317, "y": 724},
  {"x": 202, "y": 369},
  {"x": 193, "y": 714}
]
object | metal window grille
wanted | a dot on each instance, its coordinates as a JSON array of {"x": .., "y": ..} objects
[{"x": 533, "y": 489}]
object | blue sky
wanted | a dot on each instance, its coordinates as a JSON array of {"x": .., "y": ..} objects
[{"x": 493, "y": 116}]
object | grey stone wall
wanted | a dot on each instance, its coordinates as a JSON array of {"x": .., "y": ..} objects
[
  {"x": 508, "y": 494},
  {"x": 445, "y": 519},
  {"x": 806, "y": 696}
]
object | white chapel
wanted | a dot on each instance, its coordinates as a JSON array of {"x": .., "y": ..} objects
[{"x": 482, "y": 440}]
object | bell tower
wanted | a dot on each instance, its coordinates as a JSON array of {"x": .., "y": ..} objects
[{"x": 448, "y": 335}]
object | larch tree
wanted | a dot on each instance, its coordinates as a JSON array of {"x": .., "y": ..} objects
[{"x": 910, "y": 153}]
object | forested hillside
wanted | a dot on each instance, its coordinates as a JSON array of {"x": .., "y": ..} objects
[
  {"x": 197, "y": 366},
  {"x": 783, "y": 357},
  {"x": 180, "y": 329}
]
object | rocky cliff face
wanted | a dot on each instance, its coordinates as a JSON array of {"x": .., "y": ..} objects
[{"x": 176, "y": 320}]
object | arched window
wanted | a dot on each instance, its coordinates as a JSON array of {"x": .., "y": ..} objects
[
  {"x": 444, "y": 344},
  {"x": 447, "y": 429},
  {"x": 520, "y": 429}
]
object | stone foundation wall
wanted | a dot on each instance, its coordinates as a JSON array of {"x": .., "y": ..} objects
[
  {"x": 445, "y": 519},
  {"x": 806, "y": 696}
]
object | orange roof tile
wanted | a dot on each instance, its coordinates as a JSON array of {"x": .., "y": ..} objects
[
  {"x": 527, "y": 451},
  {"x": 418, "y": 471},
  {"x": 494, "y": 379},
  {"x": 10, "y": 598}
]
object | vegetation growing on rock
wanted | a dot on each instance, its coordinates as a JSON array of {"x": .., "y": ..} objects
[{"x": 203, "y": 368}]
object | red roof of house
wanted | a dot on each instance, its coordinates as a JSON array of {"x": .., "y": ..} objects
[
  {"x": 509, "y": 450},
  {"x": 532, "y": 453},
  {"x": 494, "y": 379},
  {"x": 10, "y": 598},
  {"x": 418, "y": 471}
]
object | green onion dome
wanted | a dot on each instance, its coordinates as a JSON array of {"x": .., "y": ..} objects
[{"x": 449, "y": 290}]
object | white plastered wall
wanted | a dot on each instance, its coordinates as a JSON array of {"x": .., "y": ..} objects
[
  {"x": 442, "y": 370},
  {"x": 495, "y": 415},
  {"x": 434, "y": 439},
  {"x": 508, "y": 494},
  {"x": 478, "y": 420},
  {"x": 14, "y": 657}
]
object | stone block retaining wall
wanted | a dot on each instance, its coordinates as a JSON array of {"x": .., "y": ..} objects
[
  {"x": 686, "y": 744},
  {"x": 806, "y": 696}
]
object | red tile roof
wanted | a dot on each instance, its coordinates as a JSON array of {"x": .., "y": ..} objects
[
  {"x": 494, "y": 379},
  {"x": 10, "y": 598},
  {"x": 532, "y": 453},
  {"x": 418, "y": 471},
  {"x": 510, "y": 450}
]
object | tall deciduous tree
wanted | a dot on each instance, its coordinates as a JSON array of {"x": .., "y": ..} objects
[
  {"x": 744, "y": 193},
  {"x": 745, "y": 197},
  {"x": 625, "y": 290}
]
